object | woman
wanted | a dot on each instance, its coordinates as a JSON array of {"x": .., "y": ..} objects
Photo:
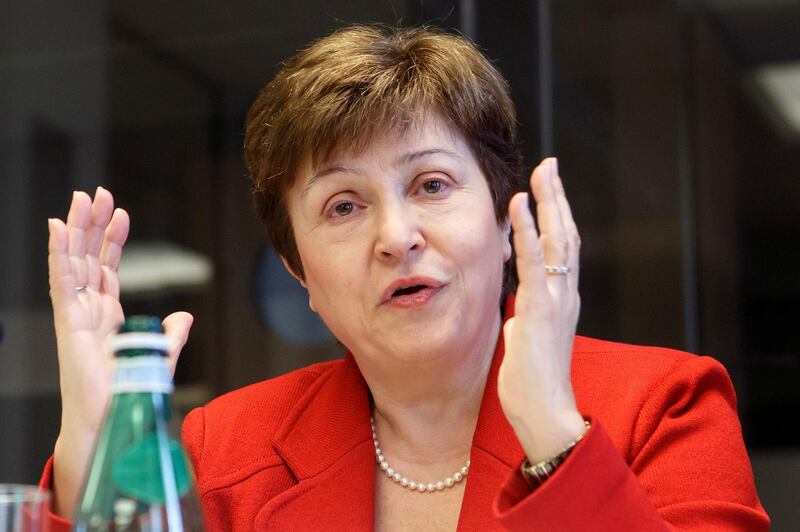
[{"x": 383, "y": 163}]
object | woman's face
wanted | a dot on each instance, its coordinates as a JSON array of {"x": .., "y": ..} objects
[{"x": 402, "y": 253}]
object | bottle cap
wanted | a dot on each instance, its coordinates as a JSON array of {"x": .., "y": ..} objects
[
  {"x": 140, "y": 336},
  {"x": 141, "y": 324}
]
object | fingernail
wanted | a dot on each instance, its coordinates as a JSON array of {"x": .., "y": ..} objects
[{"x": 555, "y": 165}]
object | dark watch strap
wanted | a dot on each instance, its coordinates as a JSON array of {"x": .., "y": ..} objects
[{"x": 537, "y": 473}]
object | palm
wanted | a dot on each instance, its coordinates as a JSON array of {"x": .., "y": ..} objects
[
  {"x": 84, "y": 257},
  {"x": 90, "y": 322},
  {"x": 93, "y": 316},
  {"x": 85, "y": 252}
]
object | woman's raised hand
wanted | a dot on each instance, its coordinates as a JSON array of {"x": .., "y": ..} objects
[
  {"x": 534, "y": 384},
  {"x": 83, "y": 260}
]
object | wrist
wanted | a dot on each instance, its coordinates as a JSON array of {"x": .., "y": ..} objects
[
  {"x": 543, "y": 438},
  {"x": 71, "y": 456},
  {"x": 66, "y": 480},
  {"x": 538, "y": 473}
]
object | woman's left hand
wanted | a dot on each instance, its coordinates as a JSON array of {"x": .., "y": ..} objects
[{"x": 534, "y": 384}]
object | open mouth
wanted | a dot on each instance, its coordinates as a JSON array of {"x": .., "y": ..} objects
[
  {"x": 412, "y": 292},
  {"x": 408, "y": 290}
]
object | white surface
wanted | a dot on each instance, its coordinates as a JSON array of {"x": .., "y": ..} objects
[
  {"x": 156, "y": 265},
  {"x": 780, "y": 83}
]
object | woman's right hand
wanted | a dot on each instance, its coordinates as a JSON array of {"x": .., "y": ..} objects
[{"x": 84, "y": 256}]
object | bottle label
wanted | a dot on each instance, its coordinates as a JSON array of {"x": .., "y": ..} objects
[
  {"x": 143, "y": 470},
  {"x": 142, "y": 374},
  {"x": 140, "y": 340}
]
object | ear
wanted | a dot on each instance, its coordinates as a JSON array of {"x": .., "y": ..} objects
[
  {"x": 505, "y": 228},
  {"x": 299, "y": 280}
]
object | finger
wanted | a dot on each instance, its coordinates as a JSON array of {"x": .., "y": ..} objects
[
  {"x": 528, "y": 250},
  {"x": 508, "y": 329},
  {"x": 114, "y": 239},
  {"x": 102, "y": 209},
  {"x": 176, "y": 328},
  {"x": 109, "y": 281},
  {"x": 78, "y": 220},
  {"x": 62, "y": 282},
  {"x": 571, "y": 230},
  {"x": 548, "y": 216}
]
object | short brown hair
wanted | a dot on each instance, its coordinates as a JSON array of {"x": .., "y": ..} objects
[{"x": 359, "y": 81}]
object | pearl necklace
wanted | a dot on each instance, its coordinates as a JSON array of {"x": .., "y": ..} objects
[{"x": 420, "y": 487}]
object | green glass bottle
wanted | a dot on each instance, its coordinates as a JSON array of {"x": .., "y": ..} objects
[{"x": 140, "y": 478}]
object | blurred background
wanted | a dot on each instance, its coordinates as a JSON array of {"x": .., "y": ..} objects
[{"x": 676, "y": 123}]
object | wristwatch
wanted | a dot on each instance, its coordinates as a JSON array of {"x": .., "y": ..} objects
[{"x": 537, "y": 473}]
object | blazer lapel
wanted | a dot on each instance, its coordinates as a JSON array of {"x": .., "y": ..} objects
[{"x": 326, "y": 442}]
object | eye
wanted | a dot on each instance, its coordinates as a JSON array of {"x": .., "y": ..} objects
[
  {"x": 343, "y": 209},
  {"x": 432, "y": 186}
]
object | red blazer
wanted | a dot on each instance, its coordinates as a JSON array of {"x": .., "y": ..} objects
[{"x": 665, "y": 452}]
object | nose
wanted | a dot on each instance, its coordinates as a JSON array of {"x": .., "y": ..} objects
[{"x": 398, "y": 233}]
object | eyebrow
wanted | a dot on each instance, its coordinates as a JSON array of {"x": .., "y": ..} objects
[
  {"x": 401, "y": 160},
  {"x": 414, "y": 155},
  {"x": 330, "y": 170}
]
